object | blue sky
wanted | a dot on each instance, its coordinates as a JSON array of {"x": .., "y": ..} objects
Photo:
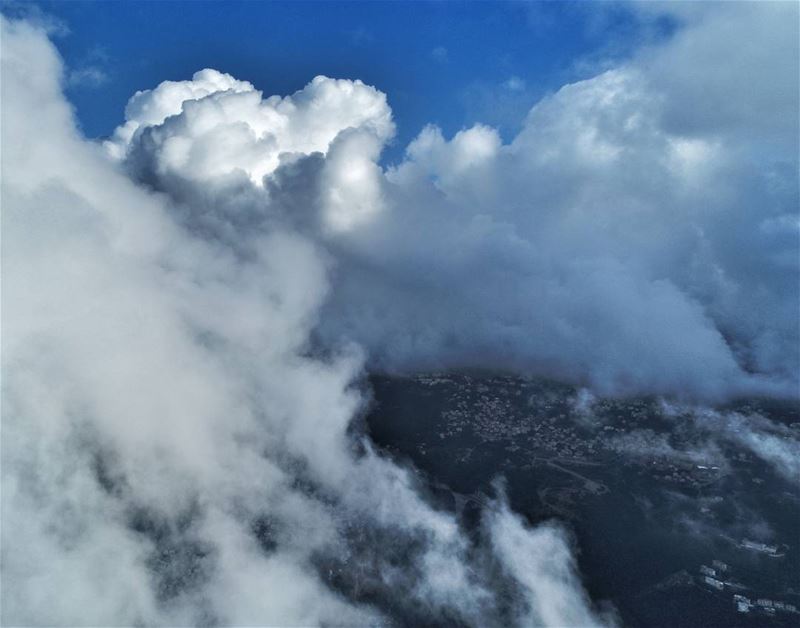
[{"x": 449, "y": 63}]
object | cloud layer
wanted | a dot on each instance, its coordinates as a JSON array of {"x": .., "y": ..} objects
[
  {"x": 634, "y": 236},
  {"x": 175, "y": 448}
]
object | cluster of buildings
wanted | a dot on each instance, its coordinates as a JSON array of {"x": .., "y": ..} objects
[
  {"x": 516, "y": 412},
  {"x": 763, "y": 548},
  {"x": 746, "y": 605},
  {"x": 714, "y": 577}
]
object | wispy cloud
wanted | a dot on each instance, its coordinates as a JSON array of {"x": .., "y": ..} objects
[
  {"x": 440, "y": 54},
  {"x": 87, "y": 76}
]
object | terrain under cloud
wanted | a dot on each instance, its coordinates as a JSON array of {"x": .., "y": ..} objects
[{"x": 188, "y": 308}]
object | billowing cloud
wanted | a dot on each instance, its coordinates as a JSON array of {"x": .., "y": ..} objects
[
  {"x": 602, "y": 244},
  {"x": 176, "y": 447},
  {"x": 215, "y": 125}
]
